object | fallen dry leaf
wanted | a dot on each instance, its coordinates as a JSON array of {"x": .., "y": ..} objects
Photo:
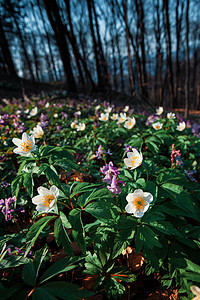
[{"x": 134, "y": 261}]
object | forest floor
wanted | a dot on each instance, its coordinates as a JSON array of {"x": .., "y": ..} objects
[{"x": 12, "y": 87}]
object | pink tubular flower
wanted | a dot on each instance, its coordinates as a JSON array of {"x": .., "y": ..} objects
[{"x": 111, "y": 178}]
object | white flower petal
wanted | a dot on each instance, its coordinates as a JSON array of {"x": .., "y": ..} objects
[
  {"x": 16, "y": 141},
  {"x": 43, "y": 191},
  {"x": 148, "y": 197},
  {"x": 37, "y": 199},
  {"x": 129, "y": 208},
  {"x": 55, "y": 191}
]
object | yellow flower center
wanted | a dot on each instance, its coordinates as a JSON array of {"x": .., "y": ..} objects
[
  {"x": 105, "y": 118},
  {"x": 133, "y": 159},
  {"x": 139, "y": 203},
  {"x": 26, "y": 146},
  {"x": 47, "y": 200},
  {"x": 129, "y": 124},
  {"x": 157, "y": 126}
]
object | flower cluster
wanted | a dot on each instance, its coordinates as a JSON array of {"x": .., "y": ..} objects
[
  {"x": 6, "y": 207},
  {"x": 111, "y": 178},
  {"x": 190, "y": 174},
  {"x": 100, "y": 152}
]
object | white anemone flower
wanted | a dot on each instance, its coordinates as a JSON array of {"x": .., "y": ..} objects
[
  {"x": 159, "y": 111},
  {"x": 130, "y": 122},
  {"x": 122, "y": 118},
  {"x": 138, "y": 203},
  {"x": 108, "y": 109},
  {"x": 181, "y": 126},
  {"x": 114, "y": 116},
  {"x": 25, "y": 145},
  {"x": 80, "y": 127},
  {"x": 126, "y": 108},
  {"x": 97, "y": 107},
  {"x": 196, "y": 291},
  {"x": 46, "y": 200},
  {"x": 47, "y": 105},
  {"x": 171, "y": 115},
  {"x": 55, "y": 115},
  {"x": 37, "y": 132},
  {"x": 134, "y": 159},
  {"x": 73, "y": 124},
  {"x": 104, "y": 117},
  {"x": 157, "y": 125},
  {"x": 33, "y": 112}
]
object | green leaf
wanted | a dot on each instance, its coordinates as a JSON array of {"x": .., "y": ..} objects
[
  {"x": 35, "y": 230},
  {"x": 66, "y": 290},
  {"x": 113, "y": 288},
  {"x": 146, "y": 237},
  {"x": 181, "y": 198},
  {"x": 152, "y": 147},
  {"x": 16, "y": 184},
  {"x": 93, "y": 265},
  {"x": 53, "y": 176},
  {"x": 41, "y": 293},
  {"x": 100, "y": 210},
  {"x": 82, "y": 187},
  {"x": 67, "y": 164},
  {"x": 42, "y": 168},
  {"x": 28, "y": 274},
  {"x": 85, "y": 198},
  {"x": 65, "y": 221},
  {"x": 78, "y": 232},
  {"x": 62, "y": 237},
  {"x": 62, "y": 265},
  {"x": 28, "y": 183},
  {"x": 38, "y": 259},
  {"x": 12, "y": 262},
  {"x": 6, "y": 293}
]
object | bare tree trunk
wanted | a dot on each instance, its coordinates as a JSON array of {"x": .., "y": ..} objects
[
  {"x": 76, "y": 52},
  {"x": 178, "y": 36},
  {"x": 100, "y": 47},
  {"x": 187, "y": 63},
  {"x": 6, "y": 52},
  {"x": 131, "y": 80},
  {"x": 59, "y": 30},
  {"x": 95, "y": 47},
  {"x": 48, "y": 42},
  {"x": 140, "y": 13},
  {"x": 169, "y": 54},
  {"x": 159, "y": 58}
]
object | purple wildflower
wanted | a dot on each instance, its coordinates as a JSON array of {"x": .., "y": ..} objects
[
  {"x": 190, "y": 174},
  {"x": 111, "y": 178},
  {"x": 101, "y": 151},
  {"x": 128, "y": 148},
  {"x": 6, "y": 207}
]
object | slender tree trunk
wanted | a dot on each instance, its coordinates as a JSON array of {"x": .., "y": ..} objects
[
  {"x": 48, "y": 42},
  {"x": 178, "y": 36},
  {"x": 59, "y": 31},
  {"x": 187, "y": 63},
  {"x": 72, "y": 39},
  {"x": 95, "y": 47},
  {"x": 131, "y": 80},
  {"x": 169, "y": 54},
  {"x": 140, "y": 12},
  {"x": 100, "y": 47},
  {"x": 118, "y": 47},
  {"x": 6, "y": 52}
]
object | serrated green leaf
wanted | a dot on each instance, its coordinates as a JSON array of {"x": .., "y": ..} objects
[{"x": 62, "y": 237}]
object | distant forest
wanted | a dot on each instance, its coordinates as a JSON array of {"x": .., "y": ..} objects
[{"x": 145, "y": 48}]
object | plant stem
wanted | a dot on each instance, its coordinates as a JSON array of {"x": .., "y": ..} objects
[
  {"x": 35, "y": 159},
  {"x": 147, "y": 172},
  {"x": 64, "y": 204}
]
